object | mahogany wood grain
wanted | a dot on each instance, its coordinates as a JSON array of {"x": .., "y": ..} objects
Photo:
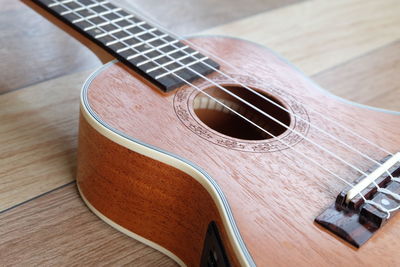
[
  {"x": 34, "y": 161},
  {"x": 274, "y": 196},
  {"x": 23, "y": 186},
  {"x": 30, "y": 156},
  {"x": 174, "y": 209}
]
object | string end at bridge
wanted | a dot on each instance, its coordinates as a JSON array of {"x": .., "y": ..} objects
[{"x": 363, "y": 208}]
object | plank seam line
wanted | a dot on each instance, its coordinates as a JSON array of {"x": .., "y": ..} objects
[
  {"x": 209, "y": 30},
  {"x": 49, "y": 79},
  {"x": 36, "y": 197},
  {"x": 341, "y": 64}
]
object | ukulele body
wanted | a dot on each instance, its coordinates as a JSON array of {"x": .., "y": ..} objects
[{"x": 156, "y": 167}]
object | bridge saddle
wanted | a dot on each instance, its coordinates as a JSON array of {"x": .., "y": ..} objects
[{"x": 361, "y": 209}]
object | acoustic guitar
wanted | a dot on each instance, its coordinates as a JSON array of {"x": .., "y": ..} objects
[{"x": 217, "y": 152}]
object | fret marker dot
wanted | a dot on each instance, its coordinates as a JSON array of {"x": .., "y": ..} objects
[
  {"x": 97, "y": 31},
  {"x": 385, "y": 202}
]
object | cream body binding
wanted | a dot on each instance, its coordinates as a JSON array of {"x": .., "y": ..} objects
[
  {"x": 172, "y": 160},
  {"x": 381, "y": 119}
]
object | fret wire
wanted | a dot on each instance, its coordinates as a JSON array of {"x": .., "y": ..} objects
[
  {"x": 108, "y": 22},
  {"x": 356, "y": 135},
  {"x": 136, "y": 35},
  {"x": 172, "y": 61},
  {"x": 143, "y": 42},
  {"x": 181, "y": 67},
  {"x": 124, "y": 29},
  {"x": 114, "y": 31},
  {"x": 143, "y": 53},
  {"x": 96, "y": 26},
  {"x": 363, "y": 138},
  {"x": 228, "y": 107},
  {"x": 111, "y": 22},
  {"x": 157, "y": 48},
  {"x": 175, "y": 70},
  {"x": 200, "y": 60},
  {"x": 162, "y": 55},
  {"x": 177, "y": 61},
  {"x": 82, "y": 8},
  {"x": 140, "y": 43},
  {"x": 131, "y": 36},
  {"x": 97, "y": 14},
  {"x": 73, "y": 11},
  {"x": 62, "y": 2}
]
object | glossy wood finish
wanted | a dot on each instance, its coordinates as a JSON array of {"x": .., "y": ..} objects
[
  {"x": 355, "y": 221},
  {"x": 274, "y": 196},
  {"x": 26, "y": 169},
  {"x": 29, "y": 172},
  {"x": 352, "y": 71},
  {"x": 173, "y": 208}
]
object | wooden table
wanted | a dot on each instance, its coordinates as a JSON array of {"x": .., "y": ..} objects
[{"x": 350, "y": 47}]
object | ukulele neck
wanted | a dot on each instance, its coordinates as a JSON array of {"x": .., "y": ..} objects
[{"x": 162, "y": 59}]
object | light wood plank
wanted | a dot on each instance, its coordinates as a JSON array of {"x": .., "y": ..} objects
[
  {"x": 38, "y": 138},
  {"x": 317, "y": 35},
  {"x": 58, "y": 230},
  {"x": 33, "y": 50},
  {"x": 42, "y": 51},
  {"x": 372, "y": 79},
  {"x": 194, "y": 16},
  {"x": 38, "y": 159}
]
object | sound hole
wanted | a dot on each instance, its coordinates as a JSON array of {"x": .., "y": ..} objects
[{"x": 225, "y": 121}]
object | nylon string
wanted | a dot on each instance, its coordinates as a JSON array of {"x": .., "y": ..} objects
[{"x": 396, "y": 196}]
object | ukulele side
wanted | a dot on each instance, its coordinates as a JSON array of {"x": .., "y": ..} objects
[{"x": 124, "y": 181}]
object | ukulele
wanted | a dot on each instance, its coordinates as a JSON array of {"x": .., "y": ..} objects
[{"x": 217, "y": 152}]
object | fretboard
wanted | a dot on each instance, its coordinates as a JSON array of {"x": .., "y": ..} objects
[{"x": 157, "y": 56}]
